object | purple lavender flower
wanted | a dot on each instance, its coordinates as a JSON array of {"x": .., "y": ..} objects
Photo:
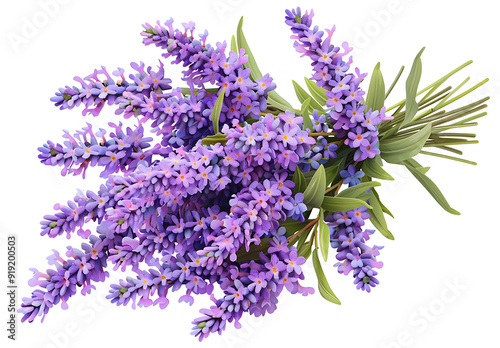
[
  {"x": 351, "y": 176},
  {"x": 296, "y": 207}
]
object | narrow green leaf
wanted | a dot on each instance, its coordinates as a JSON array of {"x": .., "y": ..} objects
[
  {"x": 399, "y": 148},
  {"x": 331, "y": 173},
  {"x": 254, "y": 252},
  {"x": 342, "y": 203},
  {"x": 432, "y": 188},
  {"x": 394, "y": 82},
  {"x": 373, "y": 168},
  {"x": 305, "y": 250},
  {"x": 302, "y": 95},
  {"x": 473, "y": 88},
  {"x": 299, "y": 180},
  {"x": 234, "y": 47},
  {"x": 305, "y": 114},
  {"x": 448, "y": 157},
  {"x": 324, "y": 287},
  {"x": 303, "y": 238},
  {"x": 376, "y": 91},
  {"x": 418, "y": 166},
  {"x": 465, "y": 123},
  {"x": 423, "y": 170},
  {"x": 278, "y": 105},
  {"x": 293, "y": 226},
  {"x": 318, "y": 93},
  {"x": 454, "y": 126},
  {"x": 315, "y": 191},
  {"x": 216, "y": 110},
  {"x": 433, "y": 87},
  {"x": 384, "y": 208},
  {"x": 242, "y": 43},
  {"x": 364, "y": 197},
  {"x": 324, "y": 235},
  {"x": 449, "y": 141},
  {"x": 443, "y": 133},
  {"x": 377, "y": 217},
  {"x": 275, "y": 97},
  {"x": 451, "y": 149},
  {"x": 290, "y": 221},
  {"x": 355, "y": 191},
  {"x": 447, "y": 102},
  {"x": 448, "y": 95},
  {"x": 412, "y": 88}
]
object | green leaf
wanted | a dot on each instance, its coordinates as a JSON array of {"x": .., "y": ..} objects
[
  {"x": 216, "y": 111},
  {"x": 448, "y": 157},
  {"x": 218, "y": 138},
  {"x": 278, "y": 105},
  {"x": 412, "y": 89},
  {"x": 373, "y": 168},
  {"x": 302, "y": 95},
  {"x": 324, "y": 235},
  {"x": 376, "y": 90},
  {"x": 293, "y": 226},
  {"x": 305, "y": 109},
  {"x": 331, "y": 173},
  {"x": 342, "y": 203},
  {"x": 355, "y": 191},
  {"x": 254, "y": 252},
  {"x": 423, "y": 170},
  {"x": 315, "y": 191},
  {"x": 318, "y": 93},
  {"x": 255, "y": 73},
  {"x": 299, "y": 180},
  {"x": 303, "y": 238},
  {"x": 431, "y": 187},
  {"x": 305, "y": 250},
  {"x": 364, "y": 197},
  {"x": 377, "y": 217},
  {"x": 234, "y": 47},
  {"x": 242, "y": 43},
  {"x": 394, "y": 82},
  {"x": 305, "y": 114},
  {"x": 324, "y": 287},
  {"x": 399, "y": 148},
  {"x": 418, "y": 166},
  {"x": 384, "y": 208}
]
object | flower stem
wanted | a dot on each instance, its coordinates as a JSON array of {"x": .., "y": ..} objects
[
  {"x": 315, "y": 235},
  {"x": 295, "y": 235},
  {"x": 334, "y": 186}
]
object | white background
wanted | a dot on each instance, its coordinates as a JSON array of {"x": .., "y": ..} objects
[{"x": 432, "y": 250}]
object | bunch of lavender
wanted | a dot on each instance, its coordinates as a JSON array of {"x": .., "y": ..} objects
[{"x": 226, "y": 192}]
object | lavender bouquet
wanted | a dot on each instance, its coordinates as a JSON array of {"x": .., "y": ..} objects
[{"x": 236, "y": 188}]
